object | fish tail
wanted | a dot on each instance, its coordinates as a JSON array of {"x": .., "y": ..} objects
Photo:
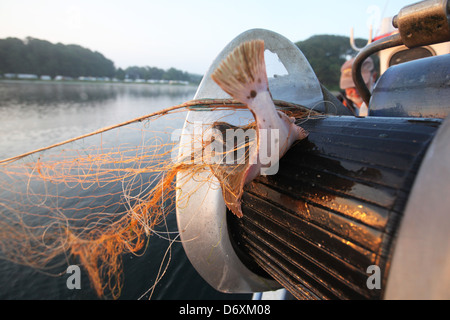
[{"x": 243, "y": 73}]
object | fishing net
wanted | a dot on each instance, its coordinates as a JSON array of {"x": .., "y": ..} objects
[{"x": 94, "y": 198}]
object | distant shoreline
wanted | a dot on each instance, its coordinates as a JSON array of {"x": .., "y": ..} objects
[{"x": 75, "y": 81}]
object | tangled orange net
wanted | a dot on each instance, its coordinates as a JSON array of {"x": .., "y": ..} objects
[{"x": 93, "y": 198}]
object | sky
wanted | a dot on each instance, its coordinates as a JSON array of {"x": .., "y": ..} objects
[{"x": 188, "y": 34}]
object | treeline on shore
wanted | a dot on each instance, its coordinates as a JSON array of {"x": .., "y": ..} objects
[
  {"x": 43, "y": 59},
  {"x": 326, "y": 54}
]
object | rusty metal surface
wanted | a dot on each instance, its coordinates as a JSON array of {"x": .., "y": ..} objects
[{"x": 424, "y": 23}]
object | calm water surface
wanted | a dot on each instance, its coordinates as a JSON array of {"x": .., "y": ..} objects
[{"x": 37, "y": 114}]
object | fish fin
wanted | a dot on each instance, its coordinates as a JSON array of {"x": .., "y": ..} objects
[
  {"x": 243, "y": 73},
  {"x": 301, "y": 133}
]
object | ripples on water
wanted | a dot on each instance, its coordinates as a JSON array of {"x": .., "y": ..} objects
[{"x": 37, "y": 114}]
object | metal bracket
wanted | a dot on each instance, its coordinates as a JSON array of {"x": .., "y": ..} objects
[{"x": 419, "y": 24}]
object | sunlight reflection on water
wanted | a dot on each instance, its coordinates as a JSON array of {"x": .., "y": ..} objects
[{"x": 38, "y": 114}]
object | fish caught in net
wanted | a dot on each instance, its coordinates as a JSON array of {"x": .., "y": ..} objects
[{"x": 94, "y": 198}]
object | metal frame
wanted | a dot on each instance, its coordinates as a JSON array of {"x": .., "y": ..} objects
[
  {"x": 419, "y": 24},
  {"x": 201, "y": 216},
  {"x": 420, "y": 264}
]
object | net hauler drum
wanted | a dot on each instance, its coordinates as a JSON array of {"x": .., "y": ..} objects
[{"x": 357, "y": 210}]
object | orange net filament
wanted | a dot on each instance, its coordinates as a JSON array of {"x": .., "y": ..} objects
[{"x": 94, "y": 198}]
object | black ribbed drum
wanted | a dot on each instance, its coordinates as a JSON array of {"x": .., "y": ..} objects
[{"x": 334, "y": 207}]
